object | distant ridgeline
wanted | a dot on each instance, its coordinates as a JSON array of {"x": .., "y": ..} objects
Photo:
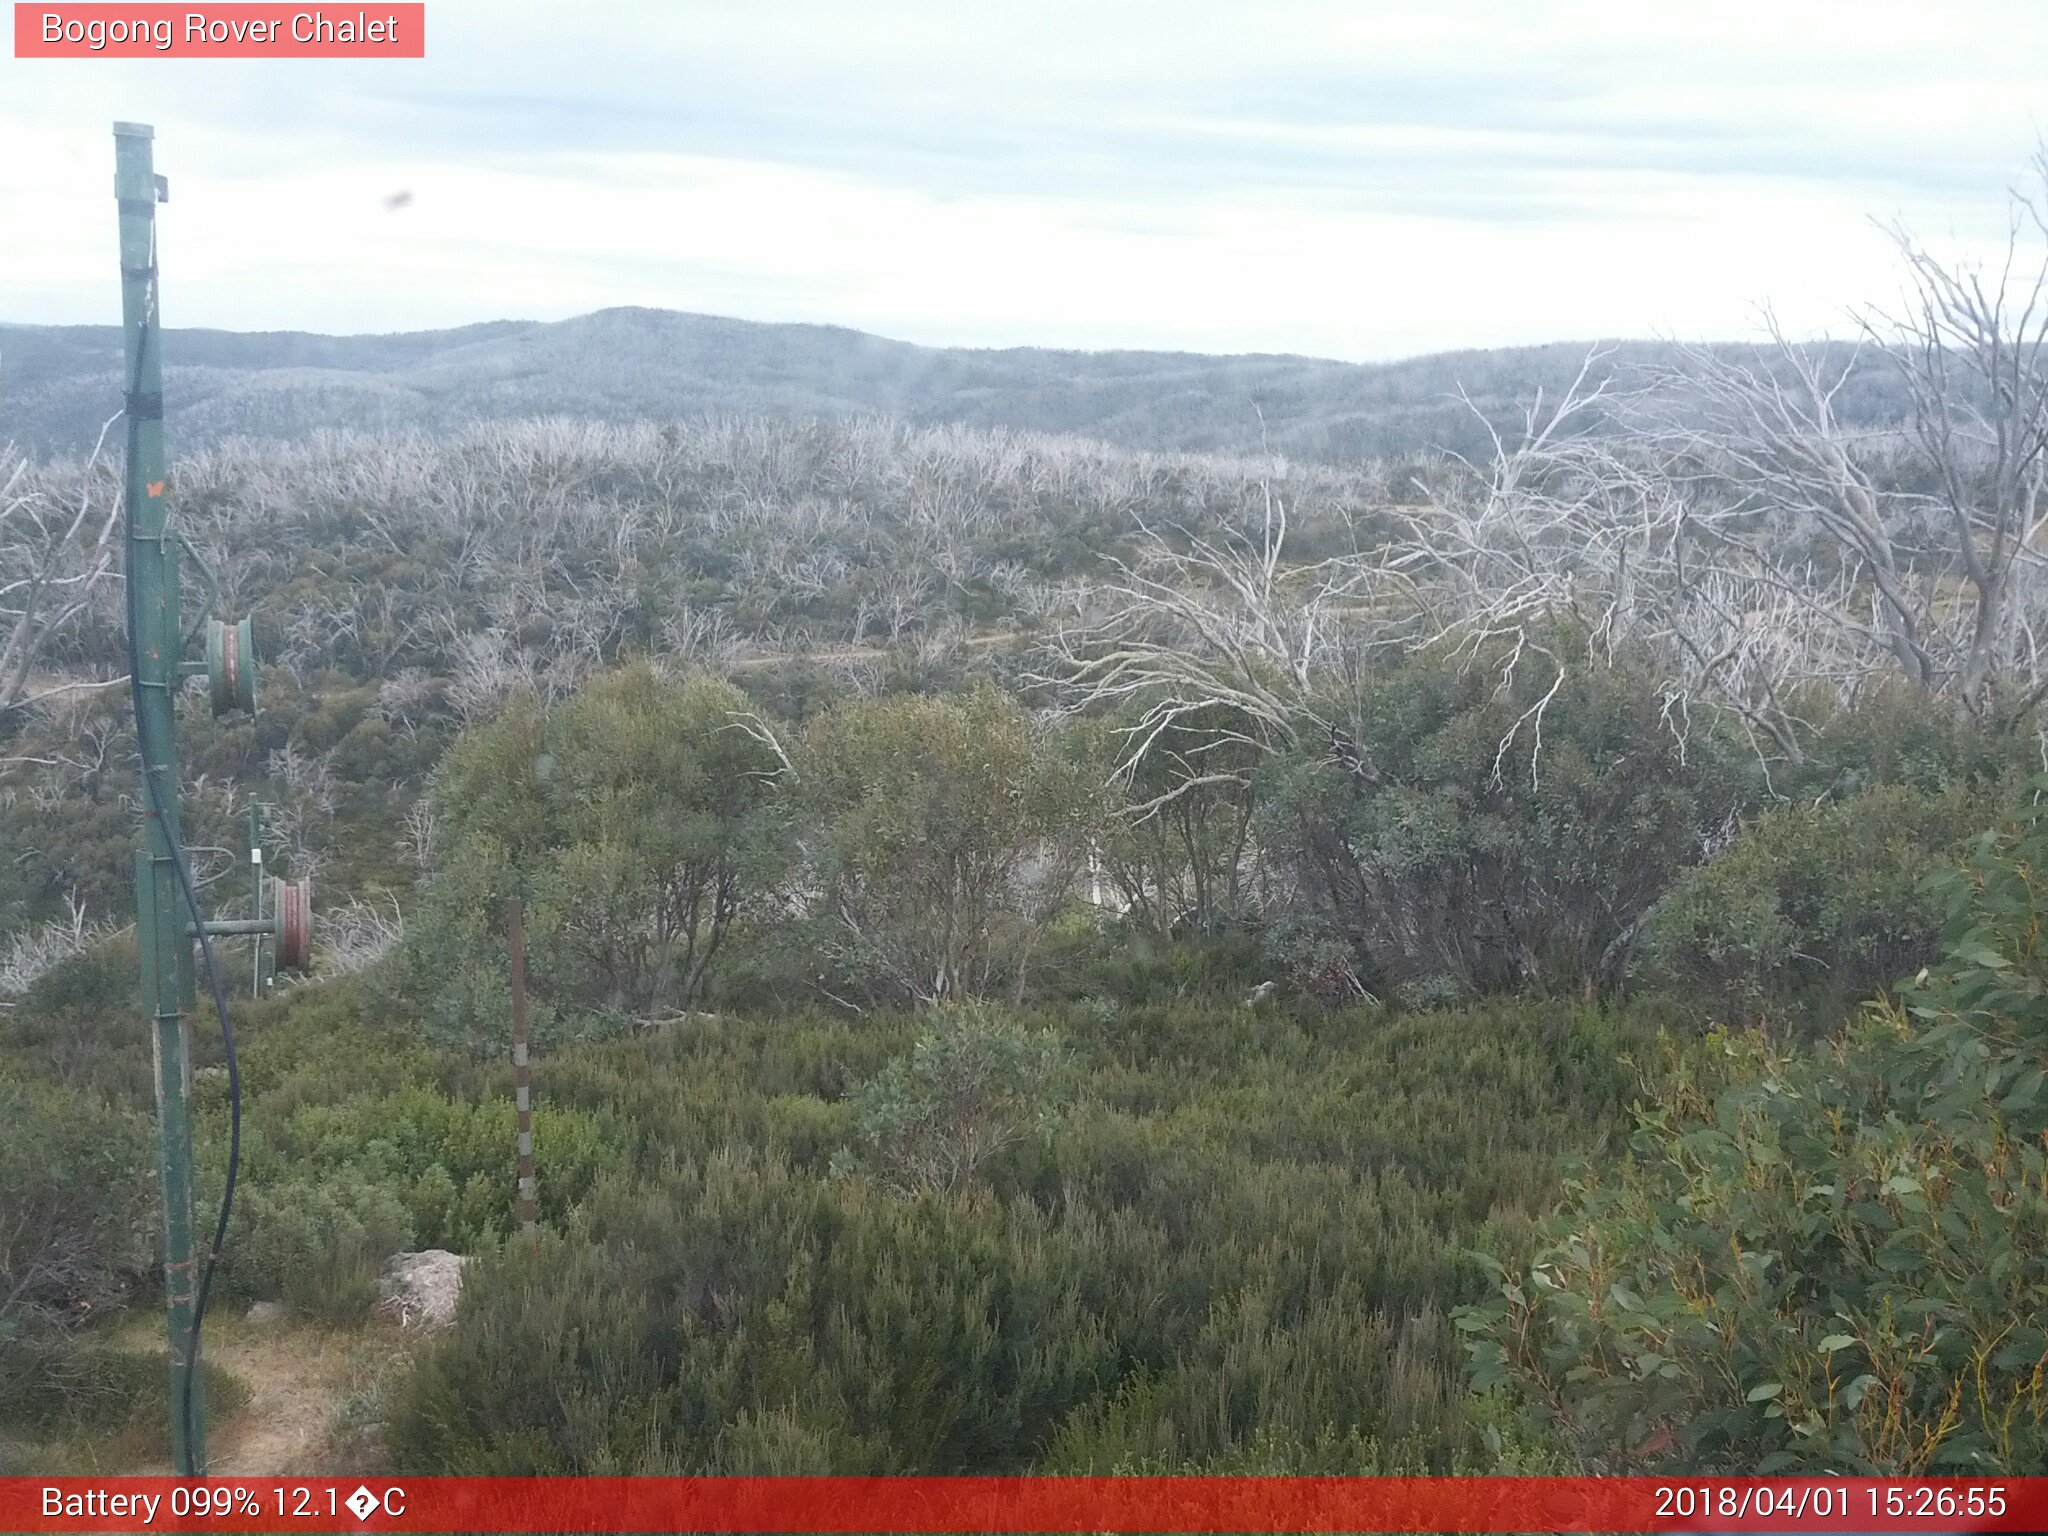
[{"x": 58, "y": 384}]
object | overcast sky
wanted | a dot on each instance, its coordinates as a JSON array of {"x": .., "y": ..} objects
[{"x": 1354, "y": 179}]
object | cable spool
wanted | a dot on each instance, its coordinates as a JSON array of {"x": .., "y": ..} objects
[
  {"x": 292, "y": 902},
  {"x": 231, "y": 666}
]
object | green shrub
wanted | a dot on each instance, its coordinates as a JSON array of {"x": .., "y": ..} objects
[
  {"x": 81, "y": 1023},
  {"x": 637, "y": 822},
  {"x": 927, "y": 812},
  {"x": 1810, "y": 909},
  {"x": 316, "y": 1245},
  {"x": 1484, "y": 1439},
  {"x": 1506, "y": 836},
  {"x": 1830, "y": 1259},
  {"x": 94, "y": 1390},
  {"x": 1089, "y": 953},
  {"x": 107, "y": 1411},
  {"x": 1245, "y": 1220},
  {"x": 975, "y": 1084},
  {"x": 330, "y": 1190},
  {"x": 73, "y": 1229},
  {"x": 1175, "y": 826},
  {"x": 711, "y": 1301},
  {"x": 348, "y": 1156},
  {"x": 1312, "y": 959}
]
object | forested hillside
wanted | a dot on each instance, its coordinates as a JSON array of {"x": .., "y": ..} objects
[
  {"x": 1050, "y": 955},
  {"x": 59, "y": 384}
]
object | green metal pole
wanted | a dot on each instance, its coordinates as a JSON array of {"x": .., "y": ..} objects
[
  {"x": 256, "y": 894},
  {"x": 167, "y": 977}
]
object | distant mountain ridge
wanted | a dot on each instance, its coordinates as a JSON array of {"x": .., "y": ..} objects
[{"x": 59, "y": 383}]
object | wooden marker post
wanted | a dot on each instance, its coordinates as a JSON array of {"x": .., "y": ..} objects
[{"x": 515, "y": 939}]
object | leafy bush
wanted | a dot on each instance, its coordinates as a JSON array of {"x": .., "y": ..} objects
[
  {"x": 330, "y": 1190},
  {"x": 945, "y": 837},
  {"x": 1810, "y": 909},
  {"x": 1090, "y": 953},
  {"x": 1829, "y": 1259},
  {"x": 317, "y": 1245},
  {"x": 877, "y": 1335},
  {"x": 358, "y": 1140},
  {"x": 80, "y": 1023},
  {"x": 975, "y": 1084},
  {"x": 1174, "y": 842},
  {"x": 73, "y": 1230},
  {"x": 108, "y": 1410},
  {"x": 637, "y": 823},
  {"x": 1313, "y": 960},
  {"x": 1503, "y": 837}
]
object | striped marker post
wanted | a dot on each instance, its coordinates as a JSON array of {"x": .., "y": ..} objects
[{"x": 515, "y": 939}]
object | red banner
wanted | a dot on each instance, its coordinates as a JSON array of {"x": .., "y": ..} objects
[
  {"x": 1022, "y": 1504},
  {"x": 235, "y": 31}
]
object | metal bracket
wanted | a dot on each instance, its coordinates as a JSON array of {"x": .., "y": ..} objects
[{"x": 206, "y": 575}]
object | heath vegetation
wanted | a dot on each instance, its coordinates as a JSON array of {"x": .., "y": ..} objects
[{"x": 1052, "y": 956}]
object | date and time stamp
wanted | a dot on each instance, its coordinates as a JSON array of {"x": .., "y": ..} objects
[{"x": 1941, "y": 1506}]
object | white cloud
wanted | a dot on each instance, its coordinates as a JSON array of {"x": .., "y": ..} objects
[{"x": 1292, "y": 177}]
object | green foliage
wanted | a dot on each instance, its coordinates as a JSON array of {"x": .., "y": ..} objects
[
  {"x": 1501, "y": 837},
  {"x": 80, "y": 1023},
  {"x": 330, "y": 1190},
  {"x": 1089, "y": 952},
  {"x": 316, "y": 1244},
  {"x": 635, "y": 819},
  {"x": 1313, "y": 960},
  {"x": 1810, "y": 909},
  {"x": 1191, "y": 1236},
  {"x": 1175, "y": 837},
  {"x": 976, "y": 1083},
  {"x": 1831, "y": 1259},
  {"x": 927, "y": 813},
  {"x": 1489, "y": 1440},
  {"x": 1245, "y": 1228},
  {"x": 1401, "y": 1380},
  {"x": 109, "y": 1414},
  {"x": 359, "y": 1140},
  {"x": 1890, "y": 736},
  {"x": 337, "y": 776},
  {"x": 73, "y": 1235}
]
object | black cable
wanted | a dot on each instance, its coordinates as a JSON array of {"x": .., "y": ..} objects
[{"x": 185, "y": 883}]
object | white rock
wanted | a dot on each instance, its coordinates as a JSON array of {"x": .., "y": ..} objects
[
  {"x": 420, "y": 1290},
  {"x": 264, "y": 1313}
]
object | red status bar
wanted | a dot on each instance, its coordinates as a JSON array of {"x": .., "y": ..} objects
[{"x": 1022, "y": 1504}]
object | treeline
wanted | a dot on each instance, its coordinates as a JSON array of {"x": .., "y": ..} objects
[{"x": 679, "y": 846}]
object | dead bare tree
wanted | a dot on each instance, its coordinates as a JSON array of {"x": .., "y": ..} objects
[
  {"x": 357, "y": 934},
  {"x": 1720, "y": 519},
  {"x": 29, "y": 954},
  {"x": 53, "y": 558},
  {"x": 1774, "y": 557},
  {"x": 1973, "y": 348},
  {"x": 1223, "y": 639},
  {"x": 1795, "y": 553}
]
